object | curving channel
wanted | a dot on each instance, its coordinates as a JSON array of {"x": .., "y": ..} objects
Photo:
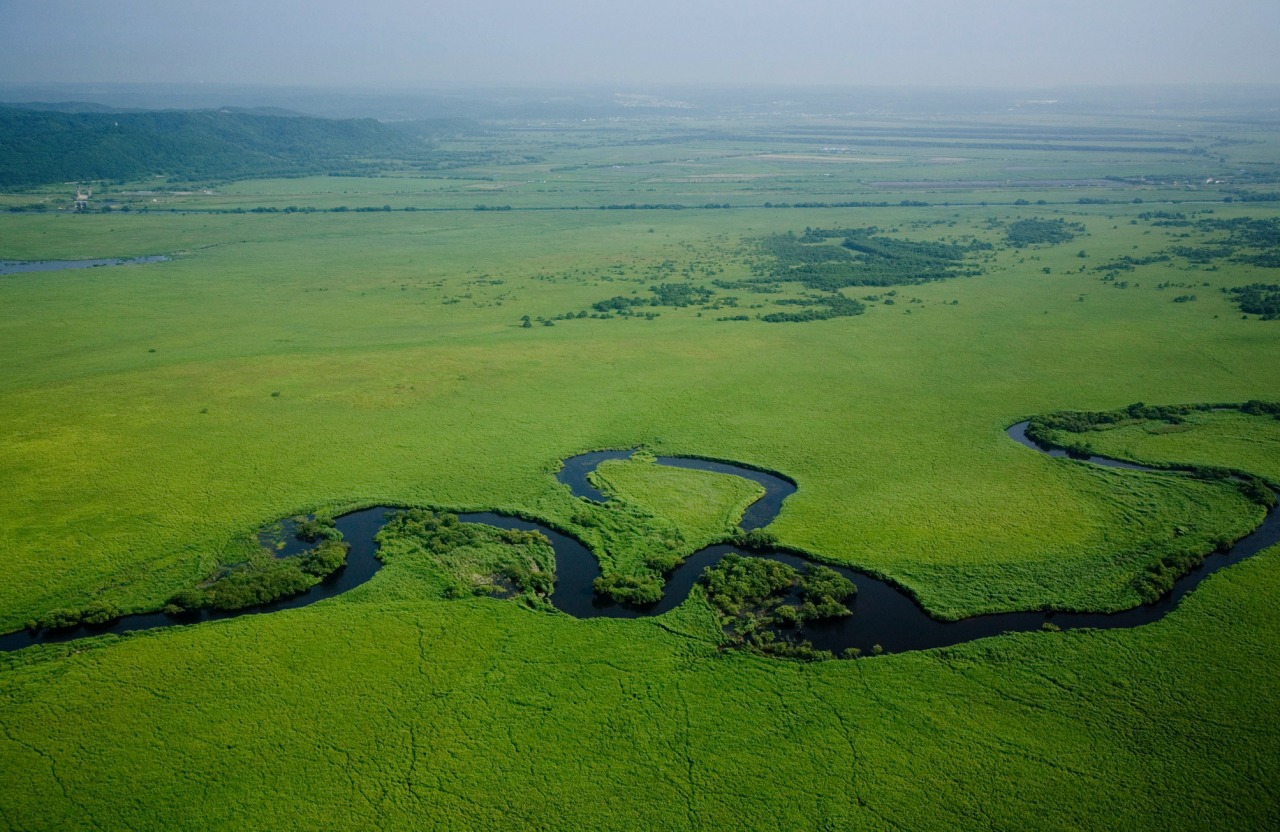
[
  {"x": 882, "y": 613},
  {"x": 23, "y": 266},
  {"x": 574, "y": 473}
]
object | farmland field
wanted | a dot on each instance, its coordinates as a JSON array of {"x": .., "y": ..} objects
[{"x": 735, "y": 288}]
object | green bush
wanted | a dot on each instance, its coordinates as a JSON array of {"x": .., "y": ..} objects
[
  {"x": 1036, "y": 231},
  {"x": 1160, "y": 576},
  {"x": 193, "y": 598},
  {"x": 472, "y": 558},
  {"x": 630, "y": 589},
  {"x": 59, "y": 619},
  {"x": 251, "y": 587},
  {"x": 1258, "y": 491},
  {"x": 96, "y": 613},
  {"x": 100, "y": 612},
  {"x": 265, "y": 578},
  {"x": 319, "y": 527},
  {"x": 325, "y": 559},
  {"x": 752, "y": 597},
  {"x": 757, "y": 539}
]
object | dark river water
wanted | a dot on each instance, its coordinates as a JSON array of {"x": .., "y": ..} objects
[
  {"x": 20, "y": 266},
  {"x": 881, "y": 614}
]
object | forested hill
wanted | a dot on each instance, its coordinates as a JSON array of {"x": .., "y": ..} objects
[{"x": 41, "y": 146}]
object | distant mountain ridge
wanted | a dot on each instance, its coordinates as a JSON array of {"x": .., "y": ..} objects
[{"x": 67, "y": 144}]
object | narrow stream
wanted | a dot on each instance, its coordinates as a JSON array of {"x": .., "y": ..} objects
[
  {"x": 358, "y": 529},
  {"x": 21, "y": 266},
  {"x": 882, "y": 614}
]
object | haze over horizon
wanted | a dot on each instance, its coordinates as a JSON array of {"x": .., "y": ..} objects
[{"x": 499, "y": 43}]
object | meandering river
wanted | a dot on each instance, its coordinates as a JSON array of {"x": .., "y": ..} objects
[{"x": 882, "y": 614}]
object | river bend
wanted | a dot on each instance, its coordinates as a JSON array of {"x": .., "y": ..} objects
[{"x": 882, "y": 613}]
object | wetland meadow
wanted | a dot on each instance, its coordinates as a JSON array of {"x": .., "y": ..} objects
[{"x": 673, "y": 340}]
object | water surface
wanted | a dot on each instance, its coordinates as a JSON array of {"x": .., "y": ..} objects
[{"x": 21, "y": 266}]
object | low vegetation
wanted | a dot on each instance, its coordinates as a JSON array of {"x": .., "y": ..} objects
[
  {"x": 405, "y": 378},
  {"x": 1058, "y": 429},
  {"x": 701, "y": 507},
  {"x": 264, "y": 578},
  {"x": 1261, "y": 299},
  {"x": 1254, "y": 241},
  {"x": 96, "y": 613},
  {"x": 816, "y": 308},
  {"x": 465, "y": 559},
  {"x": 759, "y": 601},
  {"x": 1040, "y": 232},
  {"x": 864, "y": 258},
  {"x": 1045, "y": 428},
  {"x": 657, "y": 516},
  {"x": 1209, "y": 244},
  {"x": 1049, "y": 428}
]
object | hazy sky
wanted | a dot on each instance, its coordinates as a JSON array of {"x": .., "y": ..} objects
[{"x": 451, "y": 43}]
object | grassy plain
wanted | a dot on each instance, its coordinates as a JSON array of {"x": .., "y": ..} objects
[
  {"x": 704, "y": 504},
  {"x": 156, "y": 416},
  {"x": 1214, "y": 435}
]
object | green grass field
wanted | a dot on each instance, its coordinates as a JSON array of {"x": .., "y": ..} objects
[
  {"x": 1249, "y": 441},
  {"x": 705, "y": 505},
  {"x": 155, "y": 417}
]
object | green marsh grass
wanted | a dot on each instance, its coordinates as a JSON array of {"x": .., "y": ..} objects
[
  {"x": 137, "y": 471},
  {"x": 404, "y": 378},
  {"x": 706, "y": 505}
]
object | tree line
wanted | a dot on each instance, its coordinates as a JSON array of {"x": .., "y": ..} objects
[{"x": 43, "y": 147}]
